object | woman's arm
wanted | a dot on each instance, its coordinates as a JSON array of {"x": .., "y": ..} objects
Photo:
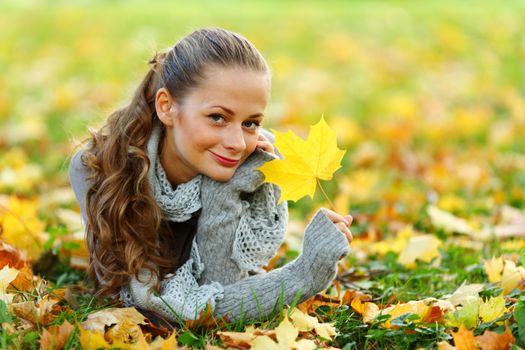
[
  {"x": 78, "y": 174},
  {"x": 254, "y": 297}
]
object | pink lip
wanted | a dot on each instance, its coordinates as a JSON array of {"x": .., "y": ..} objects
[{"x": 225, "y": 161}]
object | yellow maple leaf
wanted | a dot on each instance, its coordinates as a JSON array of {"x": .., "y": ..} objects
[
  {"x": 22, "y": 227},
  {"x": 286, "y": 334},
  {"x": 492, "y": 309},
  {"x": 306, "y": 323},
  {"x": 305, "y": 162},
  {"x": 422, "y": 247},
  {"x": 512, "y": 277},
  {"x": 494, "y": 268}
]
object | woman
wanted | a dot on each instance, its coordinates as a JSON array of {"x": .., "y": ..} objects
[{"x": 177, "y": 218}]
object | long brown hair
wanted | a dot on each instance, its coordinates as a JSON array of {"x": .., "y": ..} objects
[{"x": 125, "y": 224}]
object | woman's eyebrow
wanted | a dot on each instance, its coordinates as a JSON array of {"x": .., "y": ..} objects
[{"x": 232, "y": 113}]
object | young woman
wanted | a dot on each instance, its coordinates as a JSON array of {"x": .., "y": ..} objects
[{"x": 177, "y": 218}]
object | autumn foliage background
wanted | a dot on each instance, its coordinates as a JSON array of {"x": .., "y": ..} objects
[{"x": 427, "y": 99}]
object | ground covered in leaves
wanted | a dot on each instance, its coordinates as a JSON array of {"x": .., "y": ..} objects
[{"x": 427, "y": 99}]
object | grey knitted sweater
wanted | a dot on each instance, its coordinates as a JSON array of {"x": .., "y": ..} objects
[{"x": 240, "y": 228}]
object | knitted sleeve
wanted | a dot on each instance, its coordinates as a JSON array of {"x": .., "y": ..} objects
[
  {"x": 78, "y": 175},
  {"x": 180, "y": 295},
  {"x": 253, "y": 297},
  {"x": 261, "y": 228}
]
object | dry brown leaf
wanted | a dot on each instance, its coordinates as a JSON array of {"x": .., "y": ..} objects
[
  {"x": 494, "y": 341},
  {"x": 239, "y": 340},
  {"x": 10, "y": 256},
  {"x": 98, "y": 321},
  {"x": 42, "y": 312},
  {"x": 24, "y": 280},
  {"x": 243, "y": 340},
  {"x": 311, "y": 304},
  {"x": 464, "y": 339},
  {"x": 354, "y": 294},
  {"x": 206, "y": 319},
  {"x": 118, "y": 325},
  {"x": 125, "y": 331},
  {"x": 368, "y": 310},
  {"x": 56, "y": 336}
]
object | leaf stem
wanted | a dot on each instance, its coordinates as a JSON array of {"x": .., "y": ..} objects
[{"x": 325, "y": 196}]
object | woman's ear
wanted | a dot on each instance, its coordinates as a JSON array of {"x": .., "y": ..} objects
[{"x": 165, "y": 106}]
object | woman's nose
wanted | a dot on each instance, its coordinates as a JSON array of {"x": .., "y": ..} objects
[{"x": 234, "y": 140}]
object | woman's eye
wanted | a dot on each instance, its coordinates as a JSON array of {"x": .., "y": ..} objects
[
  {"x": 252, "y": 125},
  {"x": 217, "y": 118}
]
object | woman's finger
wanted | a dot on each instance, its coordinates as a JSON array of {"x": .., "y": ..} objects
[
  {"x": 335, "y": 217},
  {"x": 266, "y": 146},
  {"x": 344, "y": 230}
]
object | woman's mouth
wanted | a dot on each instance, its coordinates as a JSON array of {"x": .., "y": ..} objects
[{"x": 225, "y": 161}]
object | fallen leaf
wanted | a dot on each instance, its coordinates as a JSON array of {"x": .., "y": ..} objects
[
  {"x": 492, "y": 309},
  {"x": 243, "y": 340},
  {"x": 10, "y": 256},
  {"x": 368, "y": 310},
  {"x": 421, "y": 308},
  {"x": 449, "y": 222},
  {"x": 165, "y": 344},
  {"x": 286, "y": 334},
  {"x": 305, "y": 162},
  {"x": 512, "y": 276},
  {"x": 117, "y": 325},
  {"x": 24, "y": 280},
  {"x": 494, "y": 269},
  {"x": 422, "y": 247},
  {"x": 466, "y": 316},
  {"x": 443, "y": 345},
  {"x": 465, "y": 293},
  {"x": 306, "y": 323},
  {"x": 22, "y": 226},
  {"x": 40, "y": 312},
  {"x": 464, "y": 339},
  {"x": 98, "y": 321},
  {"x": 7, "y": 275},
  {"x": 56, "y": 336},
  {"x": 305, "y": 344},
  {"x": 311, "y": 304},
  {"x": 493, "y": 341}
]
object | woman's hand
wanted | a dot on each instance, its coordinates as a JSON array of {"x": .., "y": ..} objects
[
  {"x": 265, "y": 144},
  {"x": 342, "y": 222}
]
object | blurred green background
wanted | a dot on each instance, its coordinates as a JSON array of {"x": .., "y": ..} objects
[{"x": 427, "y": 97}]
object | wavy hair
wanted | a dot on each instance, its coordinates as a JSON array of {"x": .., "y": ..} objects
[{"x": 124, "y": 223}]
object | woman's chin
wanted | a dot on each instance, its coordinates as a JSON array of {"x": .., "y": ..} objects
[{"x": 221, "y": 176}]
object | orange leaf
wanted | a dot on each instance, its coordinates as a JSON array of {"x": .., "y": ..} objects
[
  {"x": 311, "y": 304},
  {"x": 56, "y": 337},
  {"x": 494, "y": 341},
  {"x": 43, "y": 312},
  {"x": 10, "y": 256},
  {"x": 464, "y": 339},
  {"x": 350, "y": 295},
  {"x": 24, "y": 280}
]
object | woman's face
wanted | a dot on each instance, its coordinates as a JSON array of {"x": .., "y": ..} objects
[{"x": 215, "y": 127}]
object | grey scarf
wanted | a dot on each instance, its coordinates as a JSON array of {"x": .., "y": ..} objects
[{"x": 177, "y": 204}]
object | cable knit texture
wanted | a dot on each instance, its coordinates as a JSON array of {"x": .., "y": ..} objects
[
  {"x": 177, "y": 205},
  {"x": 240, "y": 228}
]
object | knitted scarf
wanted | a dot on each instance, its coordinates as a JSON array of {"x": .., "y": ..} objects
[{"x": 176, "y": 204}]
